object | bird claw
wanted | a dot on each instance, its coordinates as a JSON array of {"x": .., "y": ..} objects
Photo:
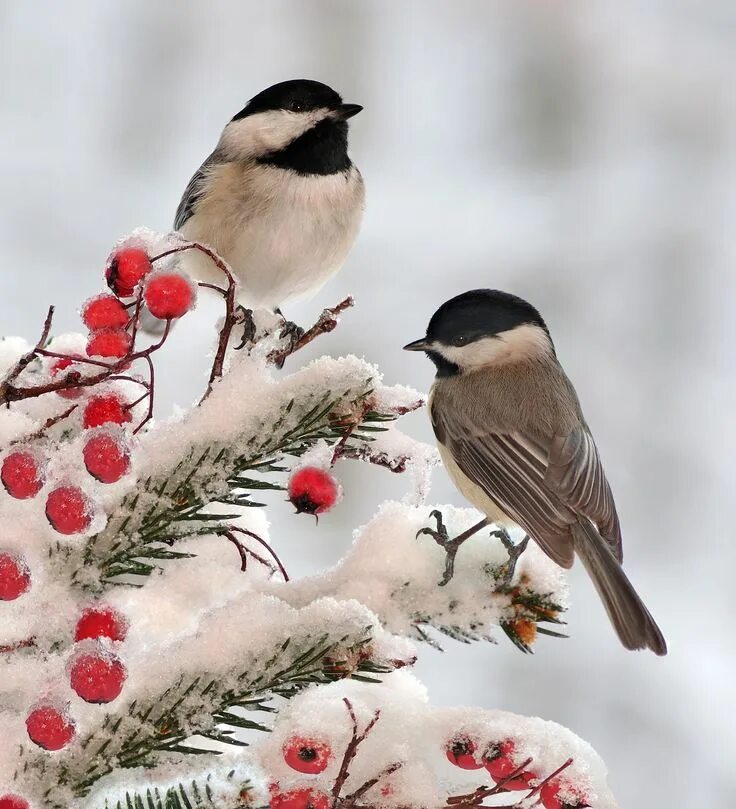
[
  {"x": 439, "y": 535},
  {"x": 245, "y": 319},
  {"x": 292, "y": 334},
  {"x": 514, "y": 552}
]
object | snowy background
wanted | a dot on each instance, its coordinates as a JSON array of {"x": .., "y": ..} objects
[{"x": 580, "y": 154}]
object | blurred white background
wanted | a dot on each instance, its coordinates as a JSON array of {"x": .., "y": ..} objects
[{"x": 581, "y": 154}]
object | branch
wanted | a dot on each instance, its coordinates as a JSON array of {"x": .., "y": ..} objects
[{"x": 326, "y": 322}]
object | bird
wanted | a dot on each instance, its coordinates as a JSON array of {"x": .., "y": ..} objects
[
  {"x": 512, "y": 436},
  {"x": 279, "y": 197}
]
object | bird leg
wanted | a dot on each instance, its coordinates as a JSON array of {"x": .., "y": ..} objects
[
  {"x": 292, "y": 333},
  {"x": 244, "y": 318},
  {"x": 514, "y": 552},
  {"x": 450, "y": 546}
]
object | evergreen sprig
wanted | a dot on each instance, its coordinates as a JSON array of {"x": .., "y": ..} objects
[{"x": 167, "y": 508}]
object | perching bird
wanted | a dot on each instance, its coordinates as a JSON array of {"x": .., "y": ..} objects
[
  {"x": 513, "y": 439},
  {"x": 279, "y": 198}
]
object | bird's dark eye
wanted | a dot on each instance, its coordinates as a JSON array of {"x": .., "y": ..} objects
[
  {"x": 460, "y": 340},
  {"x": 297, "y": 106}
]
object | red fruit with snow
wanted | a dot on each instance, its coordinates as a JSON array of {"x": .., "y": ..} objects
[
  {"x": 106, "y": 457},
  {"x": 549, "y": 794},
  {"x": 101, "y": 622},
  {"x": 104, "y": 312},
  {"x": 50, "y": 727},
  {"x": 300, "y": 799},
  {"x": 15, "y": 577},
  {"x": 97, "y": 678},
  {"x": 313, "y": 490},
  {"x": 307, "y": 755},
  {"x": 169, "y": 294},
  {"x": 460, "y": 752},
  {"x": 70, "y": 376},
  {"x": 126, "y": 269},
  {"x": 111, "y": 343},
  {"x": 13, "y": 802},
  {"x": 106, "y": 409},
  {"x": 69, "y": 510},
  {"x": 502, "y": 765},
  {"x": 22, "y": 474}
]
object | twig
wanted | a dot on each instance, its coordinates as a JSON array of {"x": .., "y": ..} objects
[
  {"x": 352, "y": 748},
  {"x": 326, "y": 322},
  {"x": 45, "y": 426},
  {"x": 236, "y": 529},
  {"x": 363, "y": 453},
  {"x": 539, "y": 786},
  {"x": 243, "y": 551},
  {"x": 21, "y": 644},
  {"x": 28, "y": 357}
]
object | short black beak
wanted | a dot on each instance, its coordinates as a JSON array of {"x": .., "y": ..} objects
[
  {"x": 417, "y": 345},
  {"x": 345, "y": 111}
]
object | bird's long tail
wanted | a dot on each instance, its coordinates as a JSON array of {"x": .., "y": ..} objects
[{"x": 630, "y": 618}]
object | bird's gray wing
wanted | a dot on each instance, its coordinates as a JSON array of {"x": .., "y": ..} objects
[
  {"x": 575, "y": 474},
  {"x": 193, "y": 191},
  {"x": 511, "y": 469}
]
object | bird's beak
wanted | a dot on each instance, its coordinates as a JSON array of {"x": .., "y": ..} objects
[
  {"x": 345, "y": 111},
  {"x": 417, "y": 345}
]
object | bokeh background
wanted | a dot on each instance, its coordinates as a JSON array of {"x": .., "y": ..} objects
[{"x": 581, "y": 154}]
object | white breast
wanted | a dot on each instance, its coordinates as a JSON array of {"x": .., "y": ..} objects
[{"x": 283, "y": 234}]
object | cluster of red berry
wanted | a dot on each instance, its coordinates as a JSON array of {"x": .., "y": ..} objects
[
  {"x": 95, "y": 674},
  {"x": 499, "y": 762},
  {"x": 308, "y": 756}
]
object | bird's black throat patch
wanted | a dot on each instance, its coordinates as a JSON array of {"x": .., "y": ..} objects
[
  {"x": 444, "y": 366},
  {"x": 321, "y": 150}
]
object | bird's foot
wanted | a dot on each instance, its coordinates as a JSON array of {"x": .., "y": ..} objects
[
  {"x": 244, "y": 318},
  {"x": 514, "y": 552},
  {"x": 292, "y": 334},
  {"x": 450, "y": 546}
]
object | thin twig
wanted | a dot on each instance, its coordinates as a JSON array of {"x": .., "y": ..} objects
[
  {"x": 246, "y": 532},
  {"x": 21, "y": 644},
  {"x": 45, "y": 426},
  {"x": 352, "y": 748}
]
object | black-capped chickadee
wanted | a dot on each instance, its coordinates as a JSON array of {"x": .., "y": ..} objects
[
  {"x": 513, "y": 439},
  {"x": 279, "y": 198}
]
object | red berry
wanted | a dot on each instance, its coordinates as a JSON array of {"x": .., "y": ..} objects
[
  {"x": 501, "y": 766},
  {"x": 300, "y": 799},
  {"x": 22, "y": 474},
  {"x": 72, "y": 376},
  {"x": 313, "y": 490},
  {"x": 96, "y": 677},
  {"x": 13, "y": 802},
  {"x": 307, "y": 755},
  {"x": 125, "y": 270},
  {"x": 549, "y": 794},
  {"x": 104, "y": 312},
  {"x": 106, "y": 457},
  {"x": 15, "y": 577},
  {"x": 101, "y": 622},
  {"x": 50, "y": 727},
  {"x": 460, "y": 752},
  {"x": 105, "y": 409},
  {"x": 69, "y": 510},
  {"x": 109, "y": 343},
  {"x": 169, "y": 294}
]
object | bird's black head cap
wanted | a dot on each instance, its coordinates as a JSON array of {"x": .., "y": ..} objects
[{"x": 296, "y": 95}]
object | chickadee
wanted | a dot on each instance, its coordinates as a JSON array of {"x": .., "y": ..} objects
[
  {"x": 513, "y": 438},
  {"x": 279, "y": 198}
]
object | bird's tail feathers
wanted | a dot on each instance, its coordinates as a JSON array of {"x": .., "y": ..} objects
[{"x": 630, "y": 618}]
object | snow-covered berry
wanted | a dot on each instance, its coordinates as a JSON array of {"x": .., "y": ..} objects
[
  {"x": 300, "y": 799},
  {"x": 68, "y": 509},
  {"x": 550, "y": 795},
  {"x": 106, "y": 408},
  {"x": 169, "y": 294},
  {"x": 50, "y": 727},
  {"x": 106, "y": 457},
  {"x": 313, "y": 490},
  {"x": 306, "y": 755},
  {"x": 101, "y": 622},
  {"x": 15, "y": 577},
  {"x": 71, "y": 376},
  {"x": 114, "y": 343},
  {"x": 501, "y": 765},
  {"x": 97, "y": 677},
  {"x": 126, "y": 269},
  {"x": 22, "y": 474},
  {"x": 460, "y": 751},
  {"x": 13, "y": 802},
  {"x": 104, "y": 311}
]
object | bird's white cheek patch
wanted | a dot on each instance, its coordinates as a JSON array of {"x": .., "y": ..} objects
[
  {"x": 267, "y": 131},
  {"x": 522, "y": 342}
]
